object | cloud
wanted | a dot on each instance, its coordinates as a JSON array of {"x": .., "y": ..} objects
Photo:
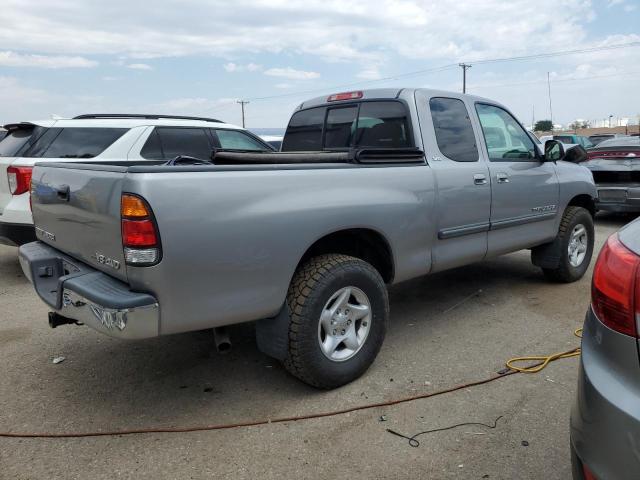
[
  {"x": 140, "y": 66},
  {"x": 13, "y": 59},
  {"x": 284, "y": 85},
  {"x": 291, "y": 73},
  {"x": 370, "y": 73},
  {"x": 234, "y": 67}
]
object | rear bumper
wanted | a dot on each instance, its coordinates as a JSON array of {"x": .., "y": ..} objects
[
  {"x": 79, "y": 292},
  {"x": 16, "y": 234},
  {"x": 605, "y": 420},
  {"x": 618, "y": 199}
]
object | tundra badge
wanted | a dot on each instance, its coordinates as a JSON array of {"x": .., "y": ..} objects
[{"x": 104, "y": 260}]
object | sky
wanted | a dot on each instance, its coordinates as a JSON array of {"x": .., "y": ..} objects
[{"x": 198, "y": 57}]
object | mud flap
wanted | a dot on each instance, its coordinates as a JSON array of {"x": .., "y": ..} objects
[
  {"x": 547, "y": 255},
  {"x": 272, "y": 334}
]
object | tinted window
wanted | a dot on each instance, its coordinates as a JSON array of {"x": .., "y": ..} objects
[
  {"x": 304, "y": 132},
  {"x": 237, "y": 140},
  {"x": 341, "y": 125},
  {"x": 152, "y": 149},
  {"x": 39, "y": 142},
  {"x": 504, "y": 136},
  {"x": 383, "y": 125},
  {"x": 191, "y": 142},
  {"x": 564, "y": 138},
  {"x": 14, "y": 141},
  {"x": 78, "y": 143},
  {"x": 454, "y": 132}
]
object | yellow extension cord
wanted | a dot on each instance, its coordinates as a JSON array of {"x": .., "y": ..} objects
[{"x": 543, "y": 361}]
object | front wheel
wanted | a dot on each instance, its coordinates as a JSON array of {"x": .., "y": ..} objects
[
  {"x": 575, "y": 240},
  {"x": 339, "y": 310}
]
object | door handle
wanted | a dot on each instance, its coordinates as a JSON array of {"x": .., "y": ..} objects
[
  {"x": 479, "y": 179},
  {"x": 63, "y": 192},
  {"x": 502, "y": 177}
]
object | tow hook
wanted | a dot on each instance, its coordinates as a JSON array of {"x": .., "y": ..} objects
[{"x": 55, "y": 320}]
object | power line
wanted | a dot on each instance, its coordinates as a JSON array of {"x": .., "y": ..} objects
[{"x": 441, "y": 69}]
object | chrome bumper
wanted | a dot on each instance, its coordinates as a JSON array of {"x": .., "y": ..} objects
[{"x": 81, "y": 293}]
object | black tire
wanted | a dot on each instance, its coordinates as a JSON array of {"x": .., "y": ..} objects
[
  {"x": 313, "y": 285},
  {"x": 565, "y": 272}
]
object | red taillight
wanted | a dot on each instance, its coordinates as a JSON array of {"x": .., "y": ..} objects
[
  {"x": 19, "y": 179},
  {"x": 615, "y": 289},
  {"x": 138, "y": 233},
  {"x": 344, "y": 96},
  {"x": 140, "y": 239},
  {"x": 587, "y": 473},
  {"x": 612, "y": 154}
]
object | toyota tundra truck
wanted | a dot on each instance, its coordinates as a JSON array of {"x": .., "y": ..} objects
[{"x": 371, "y": 188}]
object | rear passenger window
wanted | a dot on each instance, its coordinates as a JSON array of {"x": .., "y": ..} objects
[
  {"x": 383, "y": 125},
  {"x": 152, "y": 149},
  {"x": 454, "y": 132},
  {"x": 304, "y": 132},
  {"x": 341, "y": 125},
  {"x": 79, "y": 143},
  {"x": 191, "y": 142}
]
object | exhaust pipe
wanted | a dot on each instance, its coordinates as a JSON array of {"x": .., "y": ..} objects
[
  {"x": 55, "y": 320},
  {"x": 222, "y": 340}
]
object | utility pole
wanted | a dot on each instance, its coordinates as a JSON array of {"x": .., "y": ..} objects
[
  {"x": 465, "y": 67},
  {"x": 242, "y": 104},
  {"x": 550, "y": 107}
]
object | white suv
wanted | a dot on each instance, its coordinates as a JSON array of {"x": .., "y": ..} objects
[{"x": 101, "y": 137}]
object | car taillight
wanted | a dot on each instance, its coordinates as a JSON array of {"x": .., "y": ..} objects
[
  {"x": 19, "y": 179},
  {"x": 615, "y": 289},
  {"x": 140, "y": 238},
  {"x": 612, "y": 154}
]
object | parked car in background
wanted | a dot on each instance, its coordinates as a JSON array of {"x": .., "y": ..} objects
[
  {"x": 274, "y": 140},
  {"x": 101, "y": 137},
  {"x": 605, "y": 419},
  {"x": 615, "y": 165},
  {"x": 601, "y": 137},
  {"x": 544, "y": 138},
  {"x": 371, "y": 188},
  {"x": 571, "y": 139}
]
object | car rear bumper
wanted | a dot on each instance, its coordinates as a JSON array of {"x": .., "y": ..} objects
[
  {"x": 618, "y": 198},
  {"x": 16, "y": 234},
  {"x": 605, "y": 420},
  {"x": 81, "y": 293}
]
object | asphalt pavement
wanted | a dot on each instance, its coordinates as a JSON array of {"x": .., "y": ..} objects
[{"x": 448, "y": 328}]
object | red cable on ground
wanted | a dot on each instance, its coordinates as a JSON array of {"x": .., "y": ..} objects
[{"x": 226, "y": 426}]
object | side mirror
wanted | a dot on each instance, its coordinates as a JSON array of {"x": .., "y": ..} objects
[
  {"x": 576, "y": 154},
  {"x": 553, "y": 151}
]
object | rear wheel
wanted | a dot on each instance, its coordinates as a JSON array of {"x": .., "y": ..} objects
[
  {"x": 575, "y": 240},
  {"x": 339, "y": 310}
]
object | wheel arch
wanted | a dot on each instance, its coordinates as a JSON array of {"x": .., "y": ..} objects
[
  {"x": 364, "y": 243},
  {"x": 585, "y": 201}
]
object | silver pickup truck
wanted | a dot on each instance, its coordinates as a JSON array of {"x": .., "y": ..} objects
[{"x": 371, "y": 188}]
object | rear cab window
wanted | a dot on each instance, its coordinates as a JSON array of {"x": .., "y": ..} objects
[
  {"x": 454, "y": 132},
  {"x": 370, "y": 124}
]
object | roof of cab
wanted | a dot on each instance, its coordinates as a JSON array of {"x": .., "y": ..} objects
[{"x": 389, "y": 93}]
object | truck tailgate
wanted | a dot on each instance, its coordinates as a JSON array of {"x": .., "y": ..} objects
[{"x": 76, "y": 209}]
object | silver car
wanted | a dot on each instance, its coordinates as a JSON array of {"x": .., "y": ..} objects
[{"x": 605, "y": 421}]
